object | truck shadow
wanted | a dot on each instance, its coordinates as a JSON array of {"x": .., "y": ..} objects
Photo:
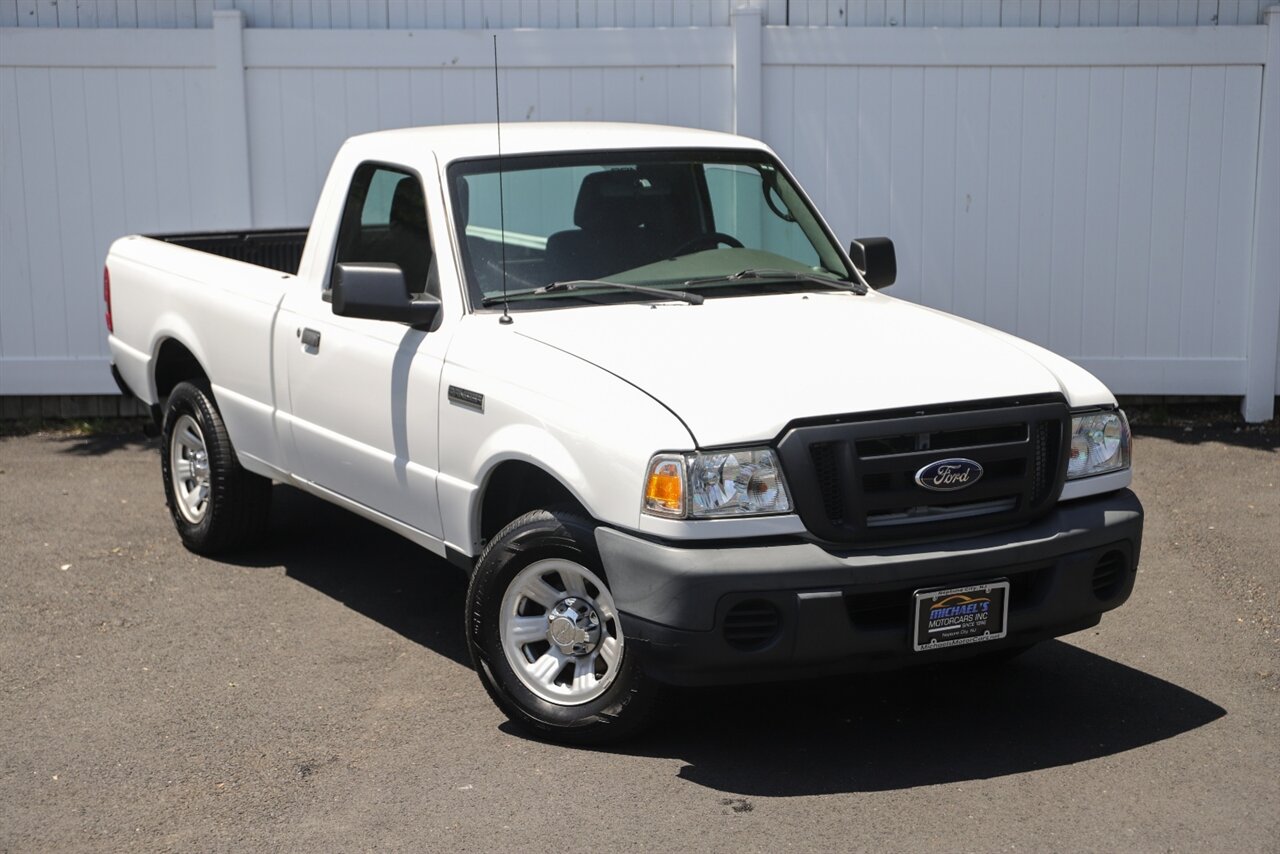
[
  {"x": 365, "y": 567},
  {"x": 1056, "y": 705},
  {"x": 107, "y": 438}
]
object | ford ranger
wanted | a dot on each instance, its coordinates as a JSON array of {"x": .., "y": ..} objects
[{"x": 628, "y": 379}]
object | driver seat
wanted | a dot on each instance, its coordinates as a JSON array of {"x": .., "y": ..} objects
[
  {"x": 407, "y": 242},
  {"x": 611, "y": 234}
]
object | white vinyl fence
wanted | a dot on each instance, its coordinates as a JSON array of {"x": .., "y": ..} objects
[
  {"x": 1112, "y": 193},
  {"x": 575, "y": 14}
]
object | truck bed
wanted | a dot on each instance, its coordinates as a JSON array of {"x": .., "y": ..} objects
[{"x": 273, "y": 248}]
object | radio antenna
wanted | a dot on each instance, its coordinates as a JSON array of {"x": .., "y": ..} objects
[{"x": 502, "y": 206}]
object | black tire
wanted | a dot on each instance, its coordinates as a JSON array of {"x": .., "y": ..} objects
[
  {"x": 628, "y": 703},
  {"x": 237, "y": 503}
]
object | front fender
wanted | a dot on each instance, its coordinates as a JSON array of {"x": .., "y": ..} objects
[
  {"x": 525, "y": 444},
  {"x": 588, "y": 429}
]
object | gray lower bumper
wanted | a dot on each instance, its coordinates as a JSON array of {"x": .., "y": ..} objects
[{"x": 850, "y": 610}]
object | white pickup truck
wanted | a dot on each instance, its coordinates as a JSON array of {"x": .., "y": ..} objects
[{"x": 628, "y": 379}]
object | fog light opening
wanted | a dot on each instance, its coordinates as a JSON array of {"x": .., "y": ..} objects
[
  {"x": 752, "y": 625},
  {"x": 1109, "y": 575}
]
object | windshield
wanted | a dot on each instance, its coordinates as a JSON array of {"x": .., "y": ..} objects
[{"x": 667, "y": 219}]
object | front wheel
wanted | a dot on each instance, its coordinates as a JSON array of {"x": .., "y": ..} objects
[{"x": 546, "y": 637}]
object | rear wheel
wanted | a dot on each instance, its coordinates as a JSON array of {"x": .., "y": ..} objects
[
  {"x": 546, "y": 637},
  {"x": 216, "y": 505}
]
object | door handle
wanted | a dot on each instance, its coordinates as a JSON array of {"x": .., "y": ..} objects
[{"x": 310, "y": 338}]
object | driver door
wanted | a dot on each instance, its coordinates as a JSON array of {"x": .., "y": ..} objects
[{"x": 364, "y": 393}]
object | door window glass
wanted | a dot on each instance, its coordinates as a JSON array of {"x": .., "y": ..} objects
[{"x": 384, "y": 220}]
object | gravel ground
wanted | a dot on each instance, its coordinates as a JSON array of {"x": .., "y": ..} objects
[{"x": 314, "y": 694}]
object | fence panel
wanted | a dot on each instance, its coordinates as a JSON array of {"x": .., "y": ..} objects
[
  {"x": 1104, "y": 210},
  {"x": 1091, "y": 189},
  {"x": 87, "y": 153}
]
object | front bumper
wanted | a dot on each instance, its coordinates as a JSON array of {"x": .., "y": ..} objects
[{"x": 846, "y": 611}]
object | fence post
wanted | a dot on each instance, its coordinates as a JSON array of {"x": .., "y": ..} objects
[
  {"x": 233, "y": 205},
  {"x": 1264, "y": 297},
  {"x": 747, "y": 70}
]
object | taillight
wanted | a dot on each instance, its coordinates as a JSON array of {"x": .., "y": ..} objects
[{"x": 106, "y": 296}]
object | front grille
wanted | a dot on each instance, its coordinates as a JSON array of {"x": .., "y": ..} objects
[
  {"x": 1042, "y": 462},
  {"x": 828, "y": 477},
  {"x": 854, "y": 480},
  {"x": 752, "y": 624}
]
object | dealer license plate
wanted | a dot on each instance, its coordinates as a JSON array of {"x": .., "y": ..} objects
[{"x": 961, "y": 615}]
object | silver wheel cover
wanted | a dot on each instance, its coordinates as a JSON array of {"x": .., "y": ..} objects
[
  {"x": 560, "y": 632},
  {"x": 189, "y": 469}
]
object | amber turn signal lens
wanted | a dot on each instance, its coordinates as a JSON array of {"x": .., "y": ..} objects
[{"x": 664, "y": 492}]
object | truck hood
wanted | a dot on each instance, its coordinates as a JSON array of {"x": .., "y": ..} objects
[{"x": 740, "y": 369}]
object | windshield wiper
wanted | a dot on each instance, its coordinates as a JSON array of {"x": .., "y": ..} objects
[
  {"x": 579, "y": 284},
  {"x": 779, "y": 275}
]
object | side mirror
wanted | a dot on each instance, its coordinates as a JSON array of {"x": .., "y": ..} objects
[
  {"x": 875, "y": 257},
  {"x": 376, "y": 291}
]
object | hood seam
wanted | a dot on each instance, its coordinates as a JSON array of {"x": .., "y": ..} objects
[{"x": 638, "y": 388}]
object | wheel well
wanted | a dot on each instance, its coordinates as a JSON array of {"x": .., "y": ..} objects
[
  {"x": 514, "y": 488},
  {"x": 175, "y": 364}
]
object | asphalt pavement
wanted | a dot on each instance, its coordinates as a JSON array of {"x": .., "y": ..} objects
[{"x": 314, "y": 695}]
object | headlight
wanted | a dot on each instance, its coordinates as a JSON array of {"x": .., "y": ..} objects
[
  {"x": 1099, "y": 444},
  {"x": 746, "y": 482}
]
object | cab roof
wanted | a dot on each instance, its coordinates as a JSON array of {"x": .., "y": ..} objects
[{"x": 454, "y": 142}]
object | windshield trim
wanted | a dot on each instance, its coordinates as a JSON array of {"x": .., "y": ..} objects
[{"x": 463, "y": 167}]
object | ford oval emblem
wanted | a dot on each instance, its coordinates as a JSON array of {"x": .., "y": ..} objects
[{"x": 949, "y": 475}]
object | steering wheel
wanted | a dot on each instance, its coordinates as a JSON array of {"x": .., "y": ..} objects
[{"x": 707, "y": 241}]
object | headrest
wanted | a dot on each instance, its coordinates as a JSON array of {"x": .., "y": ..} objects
[
  {"x": 609, "y": 199},
  {"x": 407, "y": 205}
]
